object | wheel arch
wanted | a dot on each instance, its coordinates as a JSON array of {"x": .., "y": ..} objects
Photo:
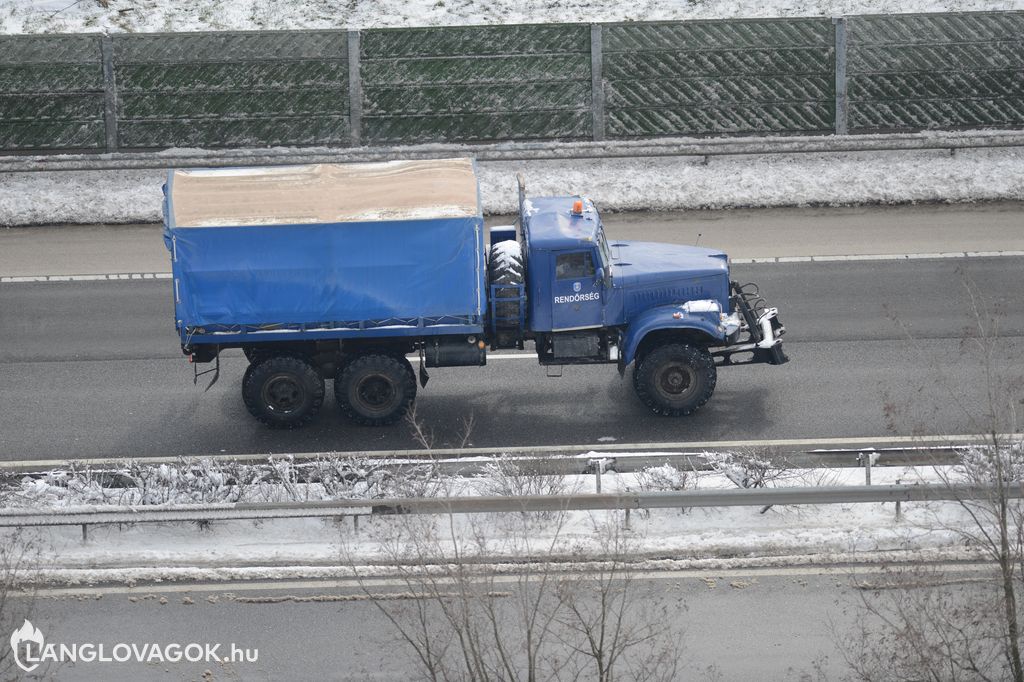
[{"x": 659, "y": 326}]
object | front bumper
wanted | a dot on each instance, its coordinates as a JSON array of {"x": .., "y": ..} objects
[{"x": 760, "y": 333}]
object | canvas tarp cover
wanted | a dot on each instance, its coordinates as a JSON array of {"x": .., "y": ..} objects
[{"x": 378, "y": 243}]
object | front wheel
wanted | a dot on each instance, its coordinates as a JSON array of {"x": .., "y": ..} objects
[
  {"x": 283, "y": 392},
  {"x": 676, "y": 379},
  {"x": 375, "y": 390}
]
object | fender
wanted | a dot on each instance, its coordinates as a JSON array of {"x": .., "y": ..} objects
[{"x": 667, "y": 317}]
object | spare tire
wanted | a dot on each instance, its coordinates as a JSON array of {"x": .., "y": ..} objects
[{"x": 505, "y": 265}]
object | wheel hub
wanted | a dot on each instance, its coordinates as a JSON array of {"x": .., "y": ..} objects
[
  {"x": 283, "y": 394},
  {"x": 376, "y": 392},
  {"x": 676, "y": 381}
]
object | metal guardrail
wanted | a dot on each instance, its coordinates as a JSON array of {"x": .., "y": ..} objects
[
  {"x": 581, "y": 459},
  {"x": 917, "y": 448},
  {"x": 622, "y": 463},
  {"x": 540, "y": 151},
  {"x": 483, "y": 505}
]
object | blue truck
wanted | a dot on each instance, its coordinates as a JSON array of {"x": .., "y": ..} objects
[{"x": 347, "y": 272}]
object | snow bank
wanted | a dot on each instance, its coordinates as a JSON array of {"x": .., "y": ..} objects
[
  {"x": 832, "y": 179},
  {"x": 64, "y": 16}
]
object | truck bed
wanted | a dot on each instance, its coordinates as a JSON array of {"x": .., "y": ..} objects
[{"x": 326, "y": 251}]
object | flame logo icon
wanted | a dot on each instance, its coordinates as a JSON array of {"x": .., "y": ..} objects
[{"x": 26, "y": 633}]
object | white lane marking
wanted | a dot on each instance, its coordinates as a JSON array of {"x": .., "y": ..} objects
[
  {"x": 108, "y": 277},
  {"x": 879, "y": 257},
  {"x": 857, "y": 443},
  {"x": 241, "y": 584},
  {"x": 118, "y": 277}
]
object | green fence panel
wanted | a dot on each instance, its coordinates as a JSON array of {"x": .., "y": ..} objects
[
  {"x": 51, "y": 93},
  {"x": 232, "y": 89},
  {"x": 915, "y": 72},
  {"x": 714, "y": 77},
  {"x": 468, "y": 84}
]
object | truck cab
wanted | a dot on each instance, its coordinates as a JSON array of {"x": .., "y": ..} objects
[{"x": 591, "y": 300}]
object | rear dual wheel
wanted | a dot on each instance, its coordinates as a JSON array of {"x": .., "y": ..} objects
[
  {"x": 283, "y": 391},
  {"x": 375, "y": 390}
]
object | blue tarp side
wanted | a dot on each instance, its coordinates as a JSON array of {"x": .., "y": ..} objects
[{"x": 316, "y": 274}]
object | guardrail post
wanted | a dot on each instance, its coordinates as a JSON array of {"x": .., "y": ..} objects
[
  {"x": 867, "y": 459},
  {"x": 599, "y": 468},
  {"x": 842, "y": 100},
  {"x": 109, "y": 93},
  {"x": 597, "y": 80},
  {"x": 899, "y": 506},
  {"x": 85, "y": 533},
  {"x": 355, "y": 91}
]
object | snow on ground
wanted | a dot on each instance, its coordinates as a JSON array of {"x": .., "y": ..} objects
[
  {"x": 68, "y": 16},
  {"x": 662, "y": 539},
  {"x": 614, "y": 184}
]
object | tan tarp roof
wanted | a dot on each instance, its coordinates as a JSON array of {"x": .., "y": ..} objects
[{"x": 324, "y": 193}]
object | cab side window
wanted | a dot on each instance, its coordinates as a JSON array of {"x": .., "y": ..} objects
[{"x": 578, "y": 265}]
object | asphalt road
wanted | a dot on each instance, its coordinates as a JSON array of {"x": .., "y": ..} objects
[
  {"x": 742, "y": 233},
  {"x": 92, "y": 369},
  {"x": 745, "y": 625}
]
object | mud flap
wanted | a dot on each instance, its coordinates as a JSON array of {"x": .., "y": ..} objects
[
  {"x": 424, "y": 377},
  {"x": 196, "y": 373}
]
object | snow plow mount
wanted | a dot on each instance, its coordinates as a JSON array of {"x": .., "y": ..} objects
[{"x": 761, "y": 326}]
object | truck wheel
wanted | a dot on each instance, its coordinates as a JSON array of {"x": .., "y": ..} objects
[
  {"x": 283, "y": 392},
  {"x": 255, "y": 354},
  {"x": 675, "y": 380},
  {"x": 375, "y": 390}
]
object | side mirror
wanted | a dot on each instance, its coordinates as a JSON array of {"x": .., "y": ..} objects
[{"x": 601, "y": 275}]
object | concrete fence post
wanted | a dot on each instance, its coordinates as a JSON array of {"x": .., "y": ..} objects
[
  {"x": 109, "y": 93},
  {"x": 355, "y": 90},
  {"x": 597, "y": 81},
  {"x": 842, "y": 101}
]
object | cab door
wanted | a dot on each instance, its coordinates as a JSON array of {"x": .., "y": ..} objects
[{"x": 577, "y": 291}]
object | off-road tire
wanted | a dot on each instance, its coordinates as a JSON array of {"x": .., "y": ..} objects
[
  {"x": 256, "y": 355},
  {"x": 675, "y": 380},
  {"x": 501, "y": 271},
  {"x": 375, "y": 390},
  {"x": 283, "y": 391}
]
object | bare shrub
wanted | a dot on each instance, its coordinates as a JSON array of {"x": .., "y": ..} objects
[
  {"x": 528, "y": 620},
  {"x": 611, "y": 633},
  {"x": 918, "y": 623},
  {"x": 19, "y": 560},
  {"x": 422, "y": 434},
  {"x": 200, "y": 481},
  {"x": 511, "y": 476},
  {"x": 749, "y": 470},
  {"x": 465, "y": 624},
  {"x": 943, "y": 631},
  {"x": 664, "y": 478},
  {"x": 425, "y": 479}
]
